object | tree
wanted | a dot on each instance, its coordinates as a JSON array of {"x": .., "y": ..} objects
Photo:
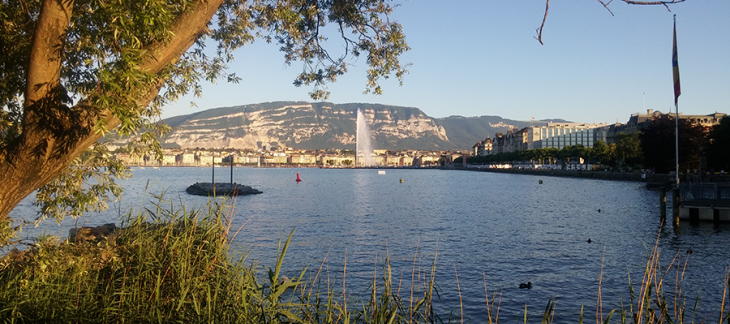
[
  {"x": 718, "y": 150},
  {"x": 628, "y": 148},
  {"x": 71, "y": 71},
  {"x": 610, "y": 156},
  {"x": 599, "y": 150},
  {"x": 658, "y": 145}
]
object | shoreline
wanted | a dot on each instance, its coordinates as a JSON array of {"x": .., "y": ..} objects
[{"x": 649, "y": 178}]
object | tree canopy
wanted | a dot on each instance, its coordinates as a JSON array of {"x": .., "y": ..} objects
[
  {"x": 72, "y": 71},
  {"x": 658, "y": 144},
  {"x": 718, "y": 150}
]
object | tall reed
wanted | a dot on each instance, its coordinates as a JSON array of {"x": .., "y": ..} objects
[{"x": 171, "y": 264}]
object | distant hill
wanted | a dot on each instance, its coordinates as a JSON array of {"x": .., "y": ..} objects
[{"x": 322, "y": 125}]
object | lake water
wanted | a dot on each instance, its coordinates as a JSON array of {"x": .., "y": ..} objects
[{"x": 502, "y": 229}]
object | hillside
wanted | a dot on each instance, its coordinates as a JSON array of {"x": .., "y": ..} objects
[{"x": 322, "y": 125}]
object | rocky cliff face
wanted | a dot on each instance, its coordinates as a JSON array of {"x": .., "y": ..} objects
[
  {"x": 323, "y": 125},
  {"x": 305, "y": 125}
]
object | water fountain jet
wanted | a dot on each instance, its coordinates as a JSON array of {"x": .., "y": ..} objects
[{"x": 363, "y": 142}]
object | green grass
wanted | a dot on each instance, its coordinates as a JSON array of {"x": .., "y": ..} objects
[{"x": 169, "y": 264}]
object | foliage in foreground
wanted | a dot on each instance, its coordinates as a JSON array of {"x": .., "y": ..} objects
[{"x": 177, "y": 265}]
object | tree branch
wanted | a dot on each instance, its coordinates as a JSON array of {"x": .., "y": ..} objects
[
  {"x": 605, "y": 5},
  {"x": 653, "y": 3},
  {"x": 544, "y": 18},
  {"x": 187, "y": 28},
  {"x": 44, "y": 69}
]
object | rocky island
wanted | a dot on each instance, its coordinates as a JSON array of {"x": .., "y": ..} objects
[{"x": 220, "y": 189}]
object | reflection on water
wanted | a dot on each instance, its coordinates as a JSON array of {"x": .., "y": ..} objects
[{"x": 497, "y": 229}]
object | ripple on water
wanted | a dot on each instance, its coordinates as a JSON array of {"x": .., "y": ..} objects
[{"x": 494, "y": 230}]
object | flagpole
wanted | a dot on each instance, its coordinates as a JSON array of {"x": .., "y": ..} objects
[
  {"x": 676, "y": 143},
  {"x": 677, "y": 92}
]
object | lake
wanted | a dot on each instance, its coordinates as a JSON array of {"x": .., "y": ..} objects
[{"x": 498, "y": 229}]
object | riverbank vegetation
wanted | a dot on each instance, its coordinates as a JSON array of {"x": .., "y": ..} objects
[{"x": 178, "y": 265}]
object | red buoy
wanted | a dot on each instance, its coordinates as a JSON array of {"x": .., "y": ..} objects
[{"x": 298, "y": 180}]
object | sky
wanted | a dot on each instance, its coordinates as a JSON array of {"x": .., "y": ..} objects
[{"x": 480, "y": 57}]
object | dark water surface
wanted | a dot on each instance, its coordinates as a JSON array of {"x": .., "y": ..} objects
[{"x": 502, "y": 229}]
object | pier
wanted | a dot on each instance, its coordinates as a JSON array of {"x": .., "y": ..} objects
[{"x": 704, "y": 202}]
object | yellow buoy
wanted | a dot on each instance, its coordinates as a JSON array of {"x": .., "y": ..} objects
[{"x": 401, "y": 180}]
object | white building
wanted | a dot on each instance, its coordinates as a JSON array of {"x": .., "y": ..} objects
[{"x": 560, "y": 135}]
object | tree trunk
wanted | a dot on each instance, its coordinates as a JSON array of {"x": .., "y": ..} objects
[{"x": 54, "y": 134}]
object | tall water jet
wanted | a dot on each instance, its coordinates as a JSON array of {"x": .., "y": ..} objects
[{"x": 363, "y": 142}]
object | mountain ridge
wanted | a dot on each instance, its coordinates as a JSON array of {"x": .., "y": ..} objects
[{"x": 323, "y": 125}]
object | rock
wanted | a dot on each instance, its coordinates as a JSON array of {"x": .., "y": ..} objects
[
  {"x": 86, "y": 233},
  {"x": 221, "y": 189}
]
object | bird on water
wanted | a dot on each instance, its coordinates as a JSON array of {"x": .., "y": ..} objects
[
  {"x": 528, "y": 285},
  {"x": 589, "y": 240}
]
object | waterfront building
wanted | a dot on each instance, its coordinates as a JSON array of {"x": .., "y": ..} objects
[
  {"x": 275, "y": 158},
  {"x": 517, "y": 140},
  {"x": 379, "y": 160},
  {"x": 379, "y": 152},
  {"x": 560, "y": 135},
  {"x": 638, "y": 122},
  {"x": 426, "y": 159},
  {"x": 557, "y": 135},
  {"x": 129, "y": 159},
  {"x": 247, "y": 159},
  {"x": 498, "y": 143},
  {"x": 483, "y": 147},
  {"x": 168, "y": 159},
  {"x": 208, "y": 159},
  {"x": 336, "y": 160},
  {"x": 406, "y": 160},
  {"x": 297, "y": 158},
  {"x": 185, "y": 159}
]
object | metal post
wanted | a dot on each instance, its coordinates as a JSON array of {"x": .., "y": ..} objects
[
  {"x": 212, "y": 158},
  {"x": 675, "y": 206},
  {"x": 663, "y": 203},
  {"x": 716, "y": 216}
]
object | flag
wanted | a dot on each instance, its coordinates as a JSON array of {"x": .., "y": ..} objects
[{"x": 675, "y": 66}]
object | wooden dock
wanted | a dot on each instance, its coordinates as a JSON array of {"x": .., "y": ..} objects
[{"x": 705, "y": 202}]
